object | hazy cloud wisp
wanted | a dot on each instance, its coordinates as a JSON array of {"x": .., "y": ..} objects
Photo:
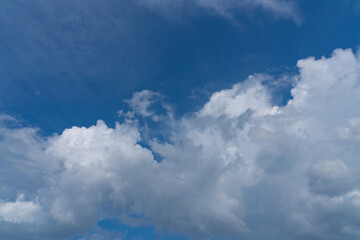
[{"x": 227, "y": 8}]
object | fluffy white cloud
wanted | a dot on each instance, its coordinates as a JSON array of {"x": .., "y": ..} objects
[
  {"x": 239, "y": 167},
  {"x": 20, "y": 211},
  {"x": 227, "y": 8}
]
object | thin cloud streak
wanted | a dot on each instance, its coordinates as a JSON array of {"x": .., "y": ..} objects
[{"x": 229, "y": 8}]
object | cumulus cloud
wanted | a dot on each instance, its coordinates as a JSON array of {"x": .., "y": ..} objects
[
  {"x": 19, "y": 211},
  {"x": 227, "y": 8},
  {"x": 239, "y": 167}
]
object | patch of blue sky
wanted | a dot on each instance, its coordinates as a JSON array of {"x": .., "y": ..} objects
[
  {"x": 65, "y": 64},
  {"x": 125, "y": 232}
]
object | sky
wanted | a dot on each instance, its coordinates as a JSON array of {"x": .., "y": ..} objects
[{"x": 179, "y": 119}]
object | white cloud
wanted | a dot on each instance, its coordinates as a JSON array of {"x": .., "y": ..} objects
[
  {"x": 239, "y": 166},
  {"x": 248, "y": 95},
  {"x": 20, "y": 211},
  {"x": 143, "y": 103}
]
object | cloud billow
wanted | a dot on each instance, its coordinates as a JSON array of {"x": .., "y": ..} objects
[{"x": 240, "y": 167}]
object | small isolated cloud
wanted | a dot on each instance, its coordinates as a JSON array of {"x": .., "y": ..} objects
[
  {"x": 240, "y": 167},
  {"x": 141, "y": 102},
  {"x": 227, "y": 8},
  {"x": 147, "y": 104}
]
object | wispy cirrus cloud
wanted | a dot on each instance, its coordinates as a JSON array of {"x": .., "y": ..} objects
[{"x": 228, "y": 8}]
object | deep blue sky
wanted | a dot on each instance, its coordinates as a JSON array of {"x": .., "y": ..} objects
[
  {"x": 65, "y": 63},
  {"x": 69, "y": 63}
]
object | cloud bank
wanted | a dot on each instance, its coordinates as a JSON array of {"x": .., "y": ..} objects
[{"x": 240, "y": 167}]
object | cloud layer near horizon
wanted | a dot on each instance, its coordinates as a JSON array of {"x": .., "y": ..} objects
[{"x": 238, "y": 167}]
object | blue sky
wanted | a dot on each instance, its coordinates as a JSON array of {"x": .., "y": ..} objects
[
  {"x": 197, "y": 119},
  {"x": 60, "y": 58}
]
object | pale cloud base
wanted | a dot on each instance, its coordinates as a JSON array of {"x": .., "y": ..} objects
[{"x": 238, "y": 167}]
